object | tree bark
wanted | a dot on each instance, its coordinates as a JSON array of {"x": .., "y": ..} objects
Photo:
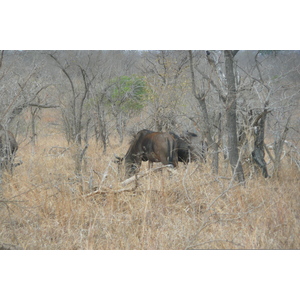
[
  {"x": 234, "y": 158},
  {"x": 258, "y": 153}
]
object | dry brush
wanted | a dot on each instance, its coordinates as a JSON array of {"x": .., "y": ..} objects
[{"x": 46, "y": 207}]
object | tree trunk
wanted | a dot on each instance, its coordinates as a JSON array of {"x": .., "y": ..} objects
[
  {"x": 101, "y": 128},
  {"x": 234, "y": 158},
  {"x": 278, "y": 147},
  {"x": 206, "y": 123},
  {"x": 258, "y": 153},
  {"x": 33, "y": 112}
]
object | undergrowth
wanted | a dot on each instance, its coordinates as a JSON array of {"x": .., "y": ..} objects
[{"x": 45, "y": 206}]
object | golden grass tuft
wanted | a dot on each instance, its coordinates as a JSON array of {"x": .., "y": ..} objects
[{"x": 44, "y": 206}]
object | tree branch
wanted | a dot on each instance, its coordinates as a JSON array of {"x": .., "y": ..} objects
[{"x": 43, "y": 105}]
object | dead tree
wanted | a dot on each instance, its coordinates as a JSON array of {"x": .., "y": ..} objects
[
  {"x": 73, "y": 110},
  {"x": 234, "y": 157},
  {"x": 207, "y": 129},
  {"x": 258, "y": 153}
]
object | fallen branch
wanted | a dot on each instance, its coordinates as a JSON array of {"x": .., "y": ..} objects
[
  {"x": 106, "y": 191},
  {"x": 133, "y": 189},
  {"x": 143, "y": 174},
  {"x": 102, "y": 191}
]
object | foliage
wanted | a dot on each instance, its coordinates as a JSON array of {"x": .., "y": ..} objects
[{"x": 128, "y": 93}]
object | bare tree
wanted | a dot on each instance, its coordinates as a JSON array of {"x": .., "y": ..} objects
[
  {"x": 165, "y": 72},
  {"x": 269, "y": 85},
  {"x": 24, "y": 85},
  {"x": 207, "y": 126},
  {"x": 75, "y": 119},
  {"x": 223, "y": 84},
  {"x": 258, "y": 153}
]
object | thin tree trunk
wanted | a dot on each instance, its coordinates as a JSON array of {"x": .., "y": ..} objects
[
  {"x": 234, "y": 159},
  {"x": 278, "y": 147},
  {"x": 33, "y": 112},
  {"x": 100, "y": 127},
  {"x": 258, "y": 153},
  {"x": 206, "y": 123}
]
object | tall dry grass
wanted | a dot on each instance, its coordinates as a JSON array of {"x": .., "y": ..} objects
[{"x": 45, "y": 208}]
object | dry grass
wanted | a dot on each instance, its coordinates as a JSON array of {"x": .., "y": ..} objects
[{"x": 44, "y": 207}]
